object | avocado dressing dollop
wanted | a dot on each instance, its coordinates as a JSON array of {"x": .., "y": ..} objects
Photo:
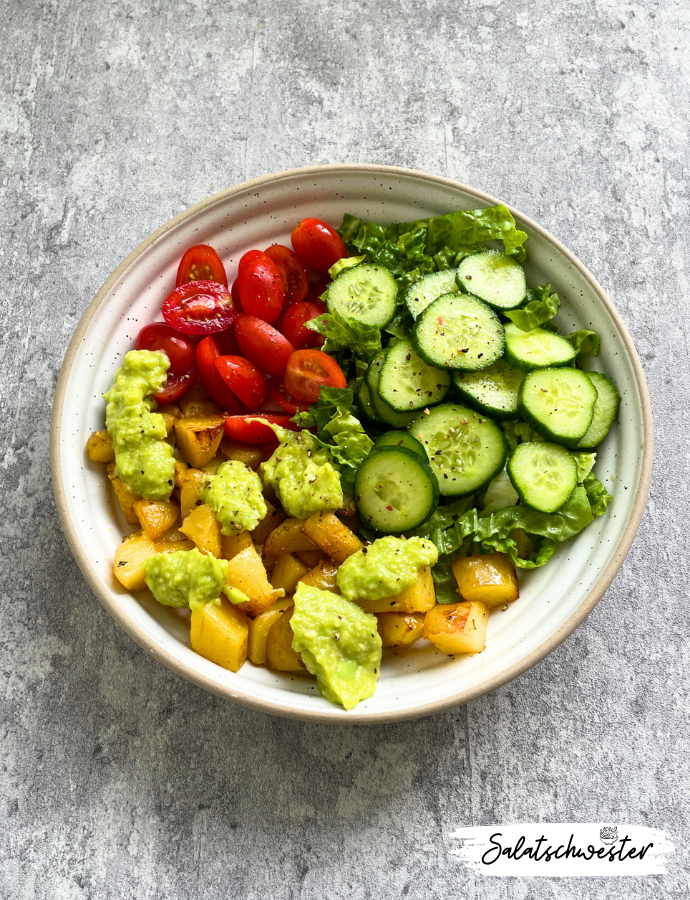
[
  {"x": 385, "y": 568},
  {"x": 234, "y": 493},
  {"x": 186, "y": 578}
]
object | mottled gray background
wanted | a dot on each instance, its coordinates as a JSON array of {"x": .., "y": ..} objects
[{"x": 117, "y": 778}]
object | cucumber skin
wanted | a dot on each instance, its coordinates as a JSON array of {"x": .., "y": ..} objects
[
  {"x": 582, "y": 446},
  {"x": 414, "y": 409},
  {"x": 538, "y": 426},
  {"x": 464, "y": 289},
  {"x": 439, "y": 365},
  {"x": 374, "y": 395},
  {"x": 347, "y": 271},
  {"x": 490, "y": 411},
  {"x": 515, "y": 363},
  {"x": 519, "y": 491},
  {"x": 426, "y": 466},
  {"x": 418, "y": 449}
]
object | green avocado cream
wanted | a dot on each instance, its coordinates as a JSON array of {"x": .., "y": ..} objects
[
  {"x": 339, "y": 643},
  {"x": 235, "y": 494},
  {"x": 384, "y": 568},
  {"x": 143, "y": 458},
  {"x": 186, "y": 578},
  {"x": 302, "y": 474}
]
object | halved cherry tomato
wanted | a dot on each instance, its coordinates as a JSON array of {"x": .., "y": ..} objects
[
  {"x": 316, "y": 290},
  {"x": 201, "y": 263},
  {"x": 260, "y": 285},
  {"x": 317, "y": 244},
  {"x": 235, "y": 294},
  {"x": 310, "y": 370},
  {"x": 295, "y": 274},
  {"x": 199, "y": 307},
  {"x": 248, "y": 430},
  {"x": 227, "y": 342},
  {"x": 293, "y": 325},
  {"x": 243, "y": 379},
  {"x": 262, "y": 344},
  {"x": 207, "y": 352},
  {"x": 280, "y": 395},
  {"x": 179, "y": 350}
]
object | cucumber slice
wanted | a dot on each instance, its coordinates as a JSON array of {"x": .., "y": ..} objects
[
  {"x": 367, "y": 293},
  {"x": 558, "y": 404},
  {"x": 400, "y": 439},
  {"x": 493, "y": 391},
  {"x": 365, "y": 404},
  {"x": 544, "y": 475},
  {"x": 429, "y": 288},
  {"x": 407, "y": 382},
  {"x": 395, "y": 490},
  {"x": 496, "y": 279},
  {"x": 465, "y": 450},
  {"x": 459, "y": 332},
  {"x": 605, "y": 411},
  {"x": 384, "y": 412},
  {"x": 536, "y": 349}
]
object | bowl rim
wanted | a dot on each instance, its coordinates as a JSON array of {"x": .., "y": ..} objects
[{"x": 244, "y": 698}]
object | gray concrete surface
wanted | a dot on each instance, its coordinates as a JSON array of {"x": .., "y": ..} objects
[{"x": 118, "y": 779}]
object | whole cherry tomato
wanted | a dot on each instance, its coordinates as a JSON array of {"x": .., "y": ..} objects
[
  {"x": 310, "y": 370},
  {"x": 280, "y": 395},
  {"x": 316, "y": 291},
  {"x": 235, "y": 294},
  {"x": 201, "y": 263},
  {"x": 248, "y": 430},
  {"x": 262, "y": 345},
  {"x": 260, "y": 285},
  {"x": 295, "y": 274},
  {"x": 293, "y": 325},
  {"x": 317, "y": 244},
  {"x": 207, "y": 352},
  {"x": 243, "y": 379},
  {"x": 181, "y": 353},
  {"x": 227, "y": 342},
  {"x": 199, "y": 307}
]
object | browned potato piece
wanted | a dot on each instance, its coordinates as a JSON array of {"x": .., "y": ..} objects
[
  {"x": 181, "y": 469},
  {"x": 287, "y": 538},
  {"x": 130, "y": 557},
  {"x": 417, "y": 598},
  {"x": 156, "y": 516},
  {"x": 269, "y": 562},
  {"x": 211, "y": 468},
  {"x": 323, "y": 577},
  {"x": 525, "y": 544},
  {"x": 173, "y": 536},
  {"x": 198, "y": 438},
  {"x": 246, "y": 573},
  {"x": 221, "y": 634},
  {"x": 250, "y": 456},
  {"x": 202, "y": 527},
  {"x": 311, "y": 558},
  {"x": 349, "y": 507},
  {"x": 125, "y": 497},
  {"x": 271, "y": 520},
  {"x": 330, "y": 535},
  {"x": 260, "y": 627},
  {"x": 192, "y": 406},
  {"x": 400, "y": 629},
  {"x": 99, "y": 447},
  {"x": 173, "y": 546},
  {"x": 457, "y": 627},
  {"x": 232, "y": 544},
  {"x": 170, "y": 415},
  {"x": 192, "y": 491},
  {"x": 287, "y": 572},
  {"x": 279, "y": 652},
  {"x": 490, "y": 578}
]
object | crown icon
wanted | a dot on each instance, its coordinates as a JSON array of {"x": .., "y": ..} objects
[{"x": 609, "y": 834}]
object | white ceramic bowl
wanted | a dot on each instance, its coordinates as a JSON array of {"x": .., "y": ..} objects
[{"x": 554, "y": 599}]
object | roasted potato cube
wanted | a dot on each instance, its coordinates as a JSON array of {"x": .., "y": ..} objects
[
  {"x": 232, "y": 544},
  {"x": 198, "y": 438},
  {"x": 417, "y": 598},
  {"x": 181, "y": 469},
  {"x": 221, "y": 634},
  {"x": 99, "y": 447},
  {"x": 269, "y": 562},
  {"x": 192, "y": 491},
  {"x": 125, "y": 497},
  {"x": 250, "y": 456},
  {"x": 311, "y": 558},
  {"x": 287, "y": 572},
  {"x": 279, "y": 652},
  {"x": 130, "y": 557},
  {"x": 400, "y": 629},
  {"x": 457, "y": 627},
  {"x": 525, "y": 544},
  {"x": 202, "y": 527},
  {"x": 323, "y": 577},
  {"x": 173, "y": 536},
  {"x": 170, "y": 415},
  {"x": 271, "y": 520},
  {"x": 192, "y": 405},
  {"x": 490, "y": 578},
  {"x": 246, "y": 573},
  {"x": 156, "y": 516},
  {"x": 287, "y": 538},
  {"x": 349, "y": 508},
  {"x": 260, "y": 627},
  {"x": 330, "y": 535},
  {"x": 173, "y": 546},
  {"x": 211, "y": 468}
]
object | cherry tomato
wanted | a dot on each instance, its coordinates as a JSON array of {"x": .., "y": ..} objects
[
  {"x": 280, "y": 395},
  {"x": 207, "y": 352},
  {"x": 292, "y": 324},
  {"x": 227, "y": 342},
  {"x": 179, "y": 350},
  {"x": 260, "y": 285},
  {"x": 316, "y": 290},
  {"x": 262, "y": 344},
  {"x": 294, "y": 273},
  {"x": 310, "y": 370},
  {"x": 235, "y": 294},
  {"x": 201, "y": 263},
  {"x": 317, "y": 245},
  {"x": 243, "y": 379},
  {"x": 199, "y": 307},
  {"x": 248, "y": 430}
]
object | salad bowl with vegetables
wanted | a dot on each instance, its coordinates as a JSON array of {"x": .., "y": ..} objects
[{"x": 350, "y": 443}]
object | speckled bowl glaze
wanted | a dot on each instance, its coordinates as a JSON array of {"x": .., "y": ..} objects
[{"x": 554, "y": 600}]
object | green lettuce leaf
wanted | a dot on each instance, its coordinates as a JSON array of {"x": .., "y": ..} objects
[
  {"x": 599, "y": 498},
  {"x": 519, "y": 432},
  {"x": 576, "y": 512},
  {"x": 585, "y": 464},
  {"x": 587, "y": 343},
  {"x": 319, "y": 414},
  {"x": 346, "y": 339},
  {"x": 541, "y": 307},
  {"x": 349, "y": 445},
  {"x": 499, "y": 494}
]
